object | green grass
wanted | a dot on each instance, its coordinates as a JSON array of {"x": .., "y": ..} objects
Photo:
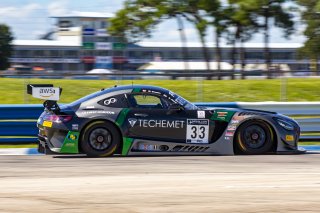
[
  {"x": 13, "y": 90},
  {"x": 309, "y": 143}
]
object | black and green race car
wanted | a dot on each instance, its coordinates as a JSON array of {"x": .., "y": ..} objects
[{"x": 149, "y": 120}]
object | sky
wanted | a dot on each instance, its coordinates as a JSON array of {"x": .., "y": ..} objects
[{"x": 29, "y": 19}]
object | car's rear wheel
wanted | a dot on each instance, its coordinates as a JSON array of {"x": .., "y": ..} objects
[
  {"x": 254, "y": 137},
  {"x": 100, "y": 139}
]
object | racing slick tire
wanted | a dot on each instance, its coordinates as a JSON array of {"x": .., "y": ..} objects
[
  {"x": 254, "y": 137},
  {"x": 100, "y": 139}
]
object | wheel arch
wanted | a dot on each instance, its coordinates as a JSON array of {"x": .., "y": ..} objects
[
  {"x": 118, "y": 151},
  {"x": 268, "y": 123}
]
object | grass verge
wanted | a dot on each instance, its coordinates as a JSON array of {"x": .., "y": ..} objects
[{"x": 193, "y": 90}]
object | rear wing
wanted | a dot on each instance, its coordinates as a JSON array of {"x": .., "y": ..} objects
[{"x": 46, "y": 92}]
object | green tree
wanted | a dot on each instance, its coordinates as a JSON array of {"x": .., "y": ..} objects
[
  {"x": 282, "y": 18},
  {"x": 133, "y": 21},
  {"x": 139, "y": 17},
  {"x": 311, "y": 17},
  {"x": 217, "y": 19},
  {"x": 5, "y": 46},
  {"x": 192, "y": 10},
  {"x": 244, "y": 25}
]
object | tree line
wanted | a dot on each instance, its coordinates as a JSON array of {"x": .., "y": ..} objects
[{"x": 235, "y": 20}]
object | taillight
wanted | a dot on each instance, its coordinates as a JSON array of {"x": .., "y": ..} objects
[{"x": 58, "y": 118}]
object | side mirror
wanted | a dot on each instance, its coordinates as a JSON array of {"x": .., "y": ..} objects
[{"x": 175, "y": 108}]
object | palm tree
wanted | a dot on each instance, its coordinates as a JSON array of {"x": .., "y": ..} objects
[
  {"x": 137, "y": 19},
  {"x": 240, "y": 17},
  {"x": 273, "y": 9},
  {"x": 215, "y": 12}
]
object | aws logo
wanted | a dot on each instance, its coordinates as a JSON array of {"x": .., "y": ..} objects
[{"x": 47, "y": 92}]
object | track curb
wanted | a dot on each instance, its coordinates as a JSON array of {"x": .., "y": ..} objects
[{"x": 19, "y": 151}]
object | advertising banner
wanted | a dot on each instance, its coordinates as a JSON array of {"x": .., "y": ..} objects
[
  {"x": 88, "y": 59},
  {"x": 103, "y": 66},
  {"x": 119, "y": 46},
  {"x": 101, "y": 32},
  {"x": 88, "y": 32},
  {"x": 103, "y": 46},
  {"x": 103, "y": 62},
  {"x": 45, "y": 60},
  {"x": 103, "y": 59},
  {"x": 88, "y": 45}
]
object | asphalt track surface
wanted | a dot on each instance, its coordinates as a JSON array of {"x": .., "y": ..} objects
[{"x": 270, "y": 183}]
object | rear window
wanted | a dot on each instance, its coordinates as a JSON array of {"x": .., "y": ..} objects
[{"x": 118, "y": 101}]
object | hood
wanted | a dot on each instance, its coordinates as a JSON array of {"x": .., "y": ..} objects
[{"x": 251, "y": 111}]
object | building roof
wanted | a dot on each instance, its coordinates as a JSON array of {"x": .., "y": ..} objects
[
  {"x": 180, "y": 65},
  {"x": 55, "y": 43},
  {"x": 198, "y": 44},
  {"x": 78, "y": 14}
]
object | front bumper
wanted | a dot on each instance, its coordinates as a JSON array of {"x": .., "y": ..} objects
[{"x": 288, "y": 141}]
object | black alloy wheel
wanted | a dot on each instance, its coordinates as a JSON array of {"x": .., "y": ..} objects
[
  {"x": 254, "y": 137},
  {"x": 100, "y": 139}
]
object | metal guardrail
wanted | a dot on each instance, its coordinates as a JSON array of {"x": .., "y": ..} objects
[
  {"x": 20, "y": 111},
  {"x": 18, "y": 122}
]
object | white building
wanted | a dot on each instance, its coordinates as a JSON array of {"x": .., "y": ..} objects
[{"x": 80, "y": 42}]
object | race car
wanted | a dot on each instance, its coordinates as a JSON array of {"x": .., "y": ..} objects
[{"x": 149, "y": 120}]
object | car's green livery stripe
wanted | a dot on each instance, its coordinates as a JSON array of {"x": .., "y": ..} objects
[
  {"x": 136, "y": 90},
  {"x": 127, "y": 143},
  {"x": 70, "y": 143},
  {"x": 122, "y": 116},
  {"x": 222, "y": 115}
]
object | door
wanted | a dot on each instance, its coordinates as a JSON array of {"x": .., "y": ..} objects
[
  {"x": 153, "y": 117},
  {"x": 149, "y": 118}
]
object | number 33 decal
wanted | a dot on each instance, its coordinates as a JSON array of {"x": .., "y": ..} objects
[{"x": 197, "y": 131}]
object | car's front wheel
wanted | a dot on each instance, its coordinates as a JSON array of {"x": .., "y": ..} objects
[
  {"x": 254, "y": 137},
  {"x": 100, "y": 139}
]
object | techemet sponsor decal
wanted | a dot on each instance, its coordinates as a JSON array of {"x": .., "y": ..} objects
[
  {"x": 132, "y": 121},
  {"x": 177, "y": 124}
]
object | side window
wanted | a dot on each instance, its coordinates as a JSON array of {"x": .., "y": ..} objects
[
  {"x": 148, "y": 101},
  {"x": 118, "y": 101}
]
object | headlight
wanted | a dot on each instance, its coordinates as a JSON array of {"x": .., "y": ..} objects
[{"x": 286, "y": 125}]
